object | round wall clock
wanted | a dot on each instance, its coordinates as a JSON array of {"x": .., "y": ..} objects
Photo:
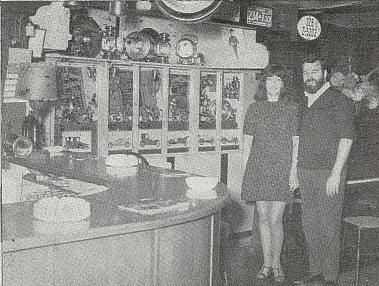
[{"x": 188, "y": 11}]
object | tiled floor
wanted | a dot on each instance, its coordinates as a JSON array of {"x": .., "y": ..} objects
[{"x": 243, "y": 261}]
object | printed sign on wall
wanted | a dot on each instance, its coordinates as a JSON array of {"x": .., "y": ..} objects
[
  {"x": 309, "y": 27},
  {"x": 259, "y": 16}
]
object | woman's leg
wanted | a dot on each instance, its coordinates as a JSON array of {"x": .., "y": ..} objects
[
  {"x": 264, "y": 229},
  {"x": 276, "y": 226}
]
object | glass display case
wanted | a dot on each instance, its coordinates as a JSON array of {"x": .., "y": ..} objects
[
  {"x": 178, "y": 139},
  {"x": 151, "y": 108},
  {"x": 231, "y": 110},
  {"x": 151, "y": 105},
  {"x": 76, "y": 110},
  {"x": 120, "y": 109},
  {"x": 208, "y": 111},
  {"x": 207, "y": 104}
]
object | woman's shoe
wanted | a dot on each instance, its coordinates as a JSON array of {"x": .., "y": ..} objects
[
  {"x": 261, "y": 274},
  {"x": 278, "y": 275}
]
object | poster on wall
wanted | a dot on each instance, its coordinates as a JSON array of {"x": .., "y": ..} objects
[{"x": 239, "y": 47}]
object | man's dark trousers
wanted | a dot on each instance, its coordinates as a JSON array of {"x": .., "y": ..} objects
[{"x": 321, "y": 216}]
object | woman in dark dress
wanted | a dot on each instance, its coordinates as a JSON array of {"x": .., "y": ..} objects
[{"x": 270, "y": 177}]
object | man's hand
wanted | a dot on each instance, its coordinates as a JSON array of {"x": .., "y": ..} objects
[
  {"x": 294, "y": 179},
  {"x": 332, "y": 184}
]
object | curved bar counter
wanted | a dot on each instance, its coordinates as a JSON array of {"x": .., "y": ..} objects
[{"x": 118, "y": 247}]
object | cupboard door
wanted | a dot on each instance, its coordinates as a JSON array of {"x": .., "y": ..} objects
[
  {"x": 151, "y": 108},
  {"x": 28, "y": 267},
  {"x": 208, "y": 111},
  {"x": 81, "y": 263},
  {"x": 185, "y": 254},
  {"x": 120, "y": 114},
  {"x": 131, "y": 259},
  {"x": 232, "y": 111},
  {"x": 75, "y": 118},
  {"x": 179, "y": 108}
]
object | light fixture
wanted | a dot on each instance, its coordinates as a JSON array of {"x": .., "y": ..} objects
[
  {"x": 37, "y": 85},
  {"x": 29, "y": 30},
  {"x": 163, "y": 47},
  {"x": 118, "y": 8},
  {"x": 143, "y": 5}
]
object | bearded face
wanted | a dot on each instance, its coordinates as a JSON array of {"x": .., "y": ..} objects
[{"x": 313, "y": 77}]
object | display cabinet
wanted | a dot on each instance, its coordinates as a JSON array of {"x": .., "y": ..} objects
[{"x": 150, "y": 108}]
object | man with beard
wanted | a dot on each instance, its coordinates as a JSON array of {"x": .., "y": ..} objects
[{"x": 326, "y": 134}]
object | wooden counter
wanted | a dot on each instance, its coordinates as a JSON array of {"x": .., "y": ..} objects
[{"x": 118, "y": 247}]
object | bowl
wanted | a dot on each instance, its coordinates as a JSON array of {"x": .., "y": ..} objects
[{"x": 201, "y": 183}]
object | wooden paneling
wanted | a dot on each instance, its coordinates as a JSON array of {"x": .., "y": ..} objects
[
  {"x": 28, "y": 267},
  {"x": 81, "y": 263},
  {"x": 131, "y": 259},
  {"x": 184, "y": 254}
]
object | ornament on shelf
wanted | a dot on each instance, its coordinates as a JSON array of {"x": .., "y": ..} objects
[
  {"x": 186, "y": 49},
  {"x": 163, "y": 47}
]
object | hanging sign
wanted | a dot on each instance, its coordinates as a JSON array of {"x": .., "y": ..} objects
[
  {"x": 309, "y": 27},
  {"x": 259, "y": 16}
]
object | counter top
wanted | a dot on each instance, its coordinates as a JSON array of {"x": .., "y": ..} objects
[{"x": 107, "y": 217}]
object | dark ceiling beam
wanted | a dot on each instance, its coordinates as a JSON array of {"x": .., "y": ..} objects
[
  {"x": 318, "y": 5},
  {"x": 22, "y": 7}
]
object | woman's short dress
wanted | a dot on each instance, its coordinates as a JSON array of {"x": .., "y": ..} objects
[{"x": 273, "y": 124}]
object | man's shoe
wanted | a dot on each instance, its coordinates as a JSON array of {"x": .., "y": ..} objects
[{"x": 309, "y": 279}]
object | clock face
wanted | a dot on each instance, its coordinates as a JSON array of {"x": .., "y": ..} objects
[{"x": 185, "y": 48}]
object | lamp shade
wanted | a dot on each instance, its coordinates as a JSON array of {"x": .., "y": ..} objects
[{"x": 37, "y": 81}]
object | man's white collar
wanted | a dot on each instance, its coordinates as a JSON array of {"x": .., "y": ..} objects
[{"x": 313, "y": 97}]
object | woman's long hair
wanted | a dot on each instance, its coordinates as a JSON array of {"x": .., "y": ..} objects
[{"x": 271, "y": 70}]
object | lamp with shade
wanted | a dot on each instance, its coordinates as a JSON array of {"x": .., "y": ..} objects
[{"x": 37, "y": 85}]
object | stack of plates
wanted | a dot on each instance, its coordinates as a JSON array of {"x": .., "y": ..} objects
[{"x": 61, "y": 215}]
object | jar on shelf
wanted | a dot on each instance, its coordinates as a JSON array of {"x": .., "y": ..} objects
[{"x": 163, "y": 48}]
